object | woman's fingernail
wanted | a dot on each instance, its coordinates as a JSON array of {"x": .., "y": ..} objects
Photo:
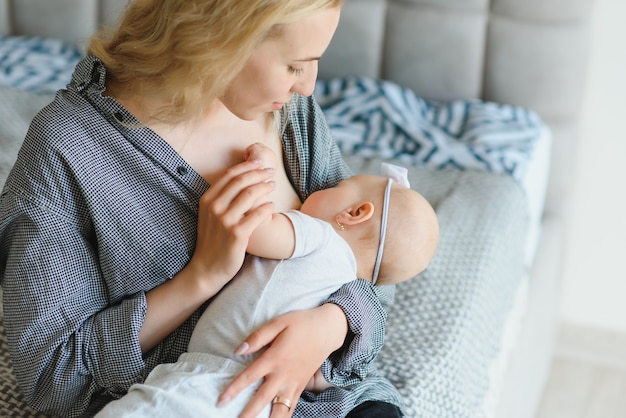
[
  {"x": 223, "y": 401},
  {"x": 243, "y": 347},
  {"x": 269, "y": 169}
]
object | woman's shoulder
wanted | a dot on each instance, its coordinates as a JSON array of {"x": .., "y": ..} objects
[
  {"x": 50, "y": 121},
  {"x": 71, "y": 113},
  {"x": 54, "y": 149}
]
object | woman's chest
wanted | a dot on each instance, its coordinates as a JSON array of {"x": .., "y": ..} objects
[{"x": 213, "y": 149}]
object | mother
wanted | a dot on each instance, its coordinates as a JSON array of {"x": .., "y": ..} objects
[{"x": 112, "y": 241}]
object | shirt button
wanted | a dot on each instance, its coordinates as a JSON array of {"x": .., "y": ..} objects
[
  {"x": 119, "y": 116},
  {"x": 182, "y": 170}
]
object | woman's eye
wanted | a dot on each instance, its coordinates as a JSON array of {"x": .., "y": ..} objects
[{"x": 296, "y": 71}]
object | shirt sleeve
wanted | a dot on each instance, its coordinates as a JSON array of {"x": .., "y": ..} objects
[
  {"x": 312, "y": 158},
  {"x": 92, "y": 216},
  {"x": 365, "y": 308},
  {"x": 66, "y": 344}
]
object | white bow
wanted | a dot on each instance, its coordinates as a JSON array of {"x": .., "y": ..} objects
[{"x": 397, "y": 173}]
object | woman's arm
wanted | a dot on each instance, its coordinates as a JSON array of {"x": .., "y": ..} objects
[
  {"x": 297, "y": 343},
  {"x": 227, "y": 217},
  {"x": 300, "y": 340},
  {"x": 365, "y": 307},
  {"x": 72, "y": 331},
  {"x": 64, "y": 338}
]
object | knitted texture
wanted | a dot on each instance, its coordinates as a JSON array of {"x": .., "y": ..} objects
[{"x": 445, "y": 328}]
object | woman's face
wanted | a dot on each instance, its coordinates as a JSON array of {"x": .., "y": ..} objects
[{"x": 282, "y": 65}]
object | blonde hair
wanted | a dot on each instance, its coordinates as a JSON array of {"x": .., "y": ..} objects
[{"x": 190, "y": 50}]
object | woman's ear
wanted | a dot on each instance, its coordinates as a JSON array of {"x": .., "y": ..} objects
[{"x": 356, "y": 214}]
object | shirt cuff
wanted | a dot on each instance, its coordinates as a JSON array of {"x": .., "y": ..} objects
[
  {"x": 116, "y": 359},
  {"x": 364, "y": 306}
]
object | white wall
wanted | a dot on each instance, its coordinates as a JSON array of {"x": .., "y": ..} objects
[{"x": 594, "y": 286}]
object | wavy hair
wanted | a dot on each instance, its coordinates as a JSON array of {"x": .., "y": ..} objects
[{"x": 190, "y": 50}]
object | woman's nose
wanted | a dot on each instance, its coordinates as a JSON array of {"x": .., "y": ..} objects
[{"x": 305, "y": 85}]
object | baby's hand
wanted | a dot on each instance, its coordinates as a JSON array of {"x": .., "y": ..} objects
[{"x": 262, "y": 153}]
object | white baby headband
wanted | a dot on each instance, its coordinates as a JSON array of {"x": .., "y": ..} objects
[
  {"x": 400, "y": 176},
  {"x": 396, "y": 173}
]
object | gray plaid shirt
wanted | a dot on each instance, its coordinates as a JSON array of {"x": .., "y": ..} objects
[{"x": 94, "y": 214}]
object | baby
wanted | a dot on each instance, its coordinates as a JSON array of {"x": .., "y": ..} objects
[{"x": 367, "y": 227}]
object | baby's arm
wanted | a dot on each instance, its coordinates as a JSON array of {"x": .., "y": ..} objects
[{"x": 274, "y": 238}]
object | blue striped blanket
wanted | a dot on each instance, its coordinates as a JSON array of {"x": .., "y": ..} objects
[
  {"x": 37, "y": 65},
  {"x": 368, "y": 117},
  {"x": 373, "y": 118}
]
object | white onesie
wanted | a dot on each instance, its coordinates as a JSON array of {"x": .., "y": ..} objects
[{"x": 263, "y": 289}]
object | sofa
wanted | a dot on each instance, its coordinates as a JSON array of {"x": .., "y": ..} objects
[{"x": 454, "y": 349}]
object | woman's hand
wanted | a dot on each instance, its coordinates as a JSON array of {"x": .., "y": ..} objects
[
  {"x": 264, "y": 156},
  {"x": 297, "y": 344},
  {"x": 228, "y": 213}
]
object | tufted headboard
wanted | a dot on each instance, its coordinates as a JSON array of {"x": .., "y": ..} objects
[
  {"x": 524, "y": 52},
  {"x": 531, "y": 53}
]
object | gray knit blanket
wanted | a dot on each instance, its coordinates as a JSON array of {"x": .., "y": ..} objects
[{"x": 445, "y": 328}]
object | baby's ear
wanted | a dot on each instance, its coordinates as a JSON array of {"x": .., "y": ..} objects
[{"x": 356, "y": 214}]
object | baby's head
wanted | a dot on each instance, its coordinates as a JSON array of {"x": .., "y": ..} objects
[
  {"x": 355, "y": 207},
  {"x": 411, "y": 238}
]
